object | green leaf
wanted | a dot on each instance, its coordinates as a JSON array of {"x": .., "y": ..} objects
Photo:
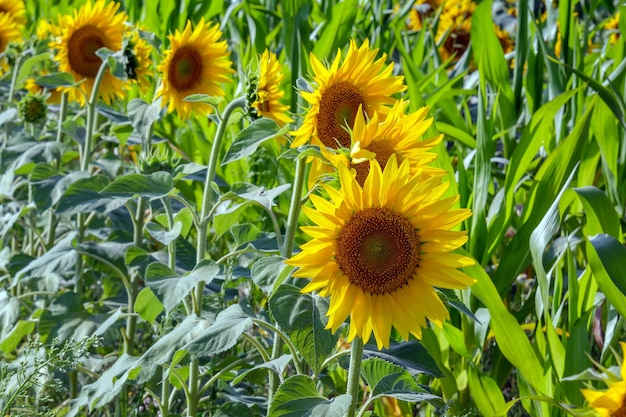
[
  {"x": 9, "y": 312},
  {"x": 244, "y": 233},
  {"x": 66, "y": 318},
  {"x": 338, "y": 30},
  {"x": 143, "y": 115},
  {"x": 486, "y": 393},
  {"x": 56, "y": 79},
  {"x": 410, "y": 355},
  {"x": 147, "y": 305},
  {"x": 22, "y": 329},
  {"x": 222, "y": 334},
  {"x": 83, "y": 196},
  {"x": 172, "y": 288},
  {"x": 303, "y": 317},
  {"x": 266, "y": 271},
  {"x": 164, "y": 236},
  {"x": 203, "y": 98},
  {"x": 298, "y": 397},
  {"x": 601, "y": 215},
  {"x": 27, "y": 67},
  {"x": 57, "y": 260},
  {"x": 607, "y": 258},
  {"x": 155, "y": 185},
  {"x": 250, "y": 138}
]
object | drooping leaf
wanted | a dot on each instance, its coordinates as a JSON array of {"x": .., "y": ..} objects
[
  {"x": 147, "y": 305},
  {"x": 223, "y": 332},
  {"x": 608, "y": 264},
  {"x": 66, "y": 318},
  {"x": 155, "y": 185},
  {"x": 83, "y": 196},
  {"x": 164, "y": 236},
  {"x": 298, "y": 397},
  {"x": 266, "y": 271},
  {"x": 56, "y": 79},
  {"x": 303, "y": 317},
  {"x": 410, "y": 355},
  {"x": 57, "y": 260},
  {"x": 22, "y": 329},
  {"x": 171, "y": 288},
  {"x": 250, "y": 138}
]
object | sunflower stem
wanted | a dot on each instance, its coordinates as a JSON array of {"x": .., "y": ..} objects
[
  {"x": 286, "y": 251},
  {"x": 62, "y": 116},
  {"x": 91, "y": 117},
  {"x": 207, "y": 198},
  {"x": 354, "y": 374}
]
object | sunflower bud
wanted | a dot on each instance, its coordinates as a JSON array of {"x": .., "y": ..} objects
[{"x": 32, "y": 108}]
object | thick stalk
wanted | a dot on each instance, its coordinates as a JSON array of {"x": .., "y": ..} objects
[
  {"x": 164, "y": 404},
  {"x": 91, "y": 117},
  {"x": 207, "y": 202},
  {"x": 287, "y": 250},
  {"x": 62, "y": 116},
  {"x": 131, "y": 318},
  {"x": 354, "y": 374}
]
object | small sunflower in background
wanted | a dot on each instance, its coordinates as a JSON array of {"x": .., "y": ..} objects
[
  {"x": 9, "y": 31},
  {"x": 612, "y": 25},
  {"x": 15, "y": 9},
  {"x": 139, "y": 64},
  {"x": 612, "y": 402},
  {"x": 266, "y": 92},
  {"x": 198, "y": 62},
  {"x": 378, "y": 251},
  {"x": 360, "y": 80},
  {"x": 93, "y": 26},
  {"x": 454, "y": 29}
]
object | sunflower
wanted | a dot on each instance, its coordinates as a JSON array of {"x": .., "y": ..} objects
[
  {"x": 397, "y": 134},
  {"x": 612, "y": 402},
  {"x": 379, "y": 250},
  {"x": 9, "y": 31},
  {"x": 196, "y": 63},
  {"x": 612, "y": 25},
  {"x": 453, "y": 32},
  {"x": 268, "y": 93},
  {"x": 15, "y": 10},
  {"x": 360, "y": 80},
  {"x": 138, "y": 53},
  {"x": 92, "y": 27}
]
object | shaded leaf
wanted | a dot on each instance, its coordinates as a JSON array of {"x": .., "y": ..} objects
[
  {"x": 298, "y": 397},
  {"x": 250, "y": 138}
]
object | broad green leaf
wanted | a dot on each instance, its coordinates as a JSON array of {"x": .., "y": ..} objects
[
  {"x": 164, "y": 236},
  {"x": 83, "y": 196},
  {"x": 66, "y": 318},
  {"x": 244, "y": 233},
  {"x": 250, "y": 138},
  {"x": 265, "y": 271},
  {"x": 511, "y": 339},
  {"x": 222, "y": 334},
  {"x": 233, "y": 409},
  {"x": 27, "y": 67},
  {"x": 75, "y": 131},
  {"x": 9, "y": 312},
  {"x": 171, "y": 288},
  {"x": 22, "y": 329},
  {"x": 147, "y": 305},
  {"x": 303, "y": 317},
  {"x": 56, "y": 79},
  {"x": 204, "y": 98},
  {"x": 298, "y": 397},
  {"x": 143, "y": 115},
  {"x": 607, "y": 258},
  {"x": 155, "y": 185},
  {"x": 278, "y": 366},
  {"x": 600, "y": 213},
  {"x": 486, "y": 393},
  {"x": 57, "y": 260},
  {"x": 260, "y": 195},
  {"x": 411, "y": 355}
]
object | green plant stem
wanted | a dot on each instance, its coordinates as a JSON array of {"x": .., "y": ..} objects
[
  {"x": 284, "y": 340},
  {"x": 287, "y": 250},
  {"x": 62, "y": 116},
  {"x": 354, "y": 374},
  {"x": 207, "y": 198},
  {"x": 225, "y": 369},
  {"x": 16, "y": 70},
  {"x": 164, "y": 403},
  {"x": 131, "y": 319},
  {"x": 91, "y": 117}
]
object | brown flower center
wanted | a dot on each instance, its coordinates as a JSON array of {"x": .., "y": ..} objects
[
  {"x": 338, "y": 108},
  {"x": 185, "y": 70},
  {"x": 383, "y": 150},
  {"x": 620, "y": 412},
  {"x": 457, "y": 42},
  {"x": 82, "y": 48},
  {"x": 378, "y": 250}
]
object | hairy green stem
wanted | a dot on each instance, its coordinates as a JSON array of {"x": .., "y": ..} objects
[
  {"x": 91, "y": 117},
  {"x": 286, "y": 251},
  {"x": 62, "y": 116},
  {"x": 354, "y": 374},
  {"x": 207, "y": 198},
  {"x": 131, "y": 319}
]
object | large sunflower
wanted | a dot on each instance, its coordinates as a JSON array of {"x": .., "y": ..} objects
[
  {"x": 15, "y": 9},
  {"x": 378, "y": 251},
  {"x": 196, "y": 63},
  {"x": 92, "y": 27},
  {"x": 9, "y": 31},
  {"x": 612, "y": 402},
  {"x": 268, "y": 92},
  {"x": 361, "y": 80}
]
